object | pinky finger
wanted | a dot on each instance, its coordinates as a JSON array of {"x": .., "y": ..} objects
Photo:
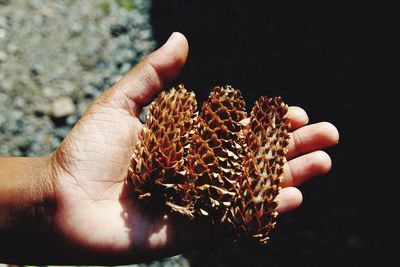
[{"x": 289, "y": 199}]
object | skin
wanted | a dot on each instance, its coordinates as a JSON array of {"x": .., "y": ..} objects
[{"x": 75, "y": 205}]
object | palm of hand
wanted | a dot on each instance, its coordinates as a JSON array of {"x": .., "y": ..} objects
[{"x": 95, "y": 206}]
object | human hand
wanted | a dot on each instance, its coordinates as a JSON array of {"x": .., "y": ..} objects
[{"x": 97, "y": 219}]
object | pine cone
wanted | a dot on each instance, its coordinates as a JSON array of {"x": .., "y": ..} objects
[
  {"x": 211, "y": 165},
  {"x": 217, "y": 152},
  {"x": 157, "y": 165},
  {"x": 253, "y": 213}
]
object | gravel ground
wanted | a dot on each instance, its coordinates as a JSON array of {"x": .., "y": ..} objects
[{"x": 55, "y": 58}]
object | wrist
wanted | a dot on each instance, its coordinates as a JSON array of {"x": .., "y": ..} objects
[
  {"x": 26, "y": 205},
  {"x": 44, "y": 200}
]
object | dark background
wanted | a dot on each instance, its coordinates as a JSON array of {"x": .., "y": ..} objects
[{"x": 305, "y": 52}]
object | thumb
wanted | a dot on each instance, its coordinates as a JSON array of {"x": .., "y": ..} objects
[{"x": 149, "y": 76}]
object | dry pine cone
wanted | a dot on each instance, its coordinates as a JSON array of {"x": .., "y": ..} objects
[{"x": 214, "y": 165}]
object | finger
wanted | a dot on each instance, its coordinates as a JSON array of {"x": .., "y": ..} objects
[
  {"x": 301, "y": 169},
  {"x": 312, "y": 137},
  {"x": 289, "y": 199},
  {"x": 297, "y": 117},
  {"x": 149, "y": 76}
]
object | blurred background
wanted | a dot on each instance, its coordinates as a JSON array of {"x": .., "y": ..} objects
[{"x": 57, "y": 56}]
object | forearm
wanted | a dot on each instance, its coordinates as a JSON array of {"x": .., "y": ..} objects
[{"x": 26, "y": 205}]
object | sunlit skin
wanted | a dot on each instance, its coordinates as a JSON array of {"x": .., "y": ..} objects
[{"x": 96, "y": 219}]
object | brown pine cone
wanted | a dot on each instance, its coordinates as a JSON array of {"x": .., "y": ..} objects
[
  {"x": 253, "y": 214},
  {"x": 217, "y": 152},
  {"x": 157, "y": 165},
  {"x": 211, "y": 165}
]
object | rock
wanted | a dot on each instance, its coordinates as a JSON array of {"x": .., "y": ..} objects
[
  {"x": 7, "y": 85},
  {"x": 3, "y": 21},
  {"x": 12, "y": 48},
  {"x": 71, "y": 120},
  {"x": 48, "y": 92},
  {"x": 146, "y": 34},
  {"x": 48, "y": 12},
  {"x": 3, "y": 56},
  {"x": 143, "y": 113},
  {"x": 67, "y": 87},
  {"x": 19, "y": 102},
  {"x": 3, "y": 97},
  {"x": 62, "y": 107}
]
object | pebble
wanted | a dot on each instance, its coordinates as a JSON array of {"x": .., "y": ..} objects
[
  {"x": 3, "y": 21},
  {"x": 48, "y": 12},
  {"x": 125, "y": 68},
  {"x": 67, "y": 87},
  {"x": 143, "y": 113},
  {"x": 7, "y": 84},
  {"x": 3, "y": 97},
  {"x": 12, "y": 48},
  {"x": 3, "y": 56},
  {"x": 62, "y": 107},
  {"x": 19, "y": 102},
  {"x": 48, "y": 92},
  {"x": 146, "y": 34},
  {"x": 72, "y": 119}
]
